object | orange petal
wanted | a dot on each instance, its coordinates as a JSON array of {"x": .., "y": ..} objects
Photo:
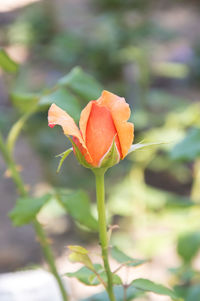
[
  {"x": 56, "y": 116},
  {"x": 83, "y": 150},
  {"x": 100, "y": 132},
  {"x": 84, "y": 118},
  {"x": 120, "y": 112}
]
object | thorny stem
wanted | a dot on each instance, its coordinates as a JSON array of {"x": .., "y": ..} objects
[
  {"x": 38, "y": 228},
  {"x": 100, "y": 194}
]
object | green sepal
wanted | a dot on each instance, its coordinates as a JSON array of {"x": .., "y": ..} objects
[
  {"x": 79, "y": 155},
  {"x": 63, "y": 156},
  {"x": 111, "y": 157},
  {"x": 139, "y": 145}
]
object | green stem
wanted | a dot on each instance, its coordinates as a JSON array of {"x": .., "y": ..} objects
[
  {"x": 38, "y": 228},
  {"x": 124, "y": 293},
  {"x": 99, "y": 174},
  {"x": 17, "y": 127},
  {"x": 49, "y": 257}
]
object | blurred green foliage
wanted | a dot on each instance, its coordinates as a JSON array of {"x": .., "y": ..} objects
[
  {"x": 155, "y": 188},
  {"x": 188, "y": 246},
  {"x": 6, "y": 63},
  {"x": 88, "y": 277},
  {"x": 189, "y": 148}
]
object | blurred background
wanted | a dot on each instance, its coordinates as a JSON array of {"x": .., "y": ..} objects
[{"x": 67, "y": 52}]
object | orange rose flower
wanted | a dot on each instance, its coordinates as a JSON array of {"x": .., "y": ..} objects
[{"x": 103, "y": 125}]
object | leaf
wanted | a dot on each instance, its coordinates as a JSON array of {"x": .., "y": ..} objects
[
  {"x": 88, "y": 277},
  {"x": 193, "y": 293},
  {"x": 81, "y": 257},
  {"x": 189, "y": 148},
  {"x": 131, "y": 293},
  {"x": 122, "y": 258},
  {"x": 181, "y": 291},
  {"x": 26, "y": 209},
  {"x": 63, "y": 156},
  {"x": 24, "y": 101},
  {"x": 78, "y": 249},
  {"x": 6, "y": 63},
  {"x": 64, "y": 99},
  {"x": 134, "y": 147},
  {"x": 84, "y": 274},
  {"x": 77, "y": 205},
  {"x": 188, "y": 246},
  {"x": 149, "y": 286},
  {"x": 82, "y": 84}
]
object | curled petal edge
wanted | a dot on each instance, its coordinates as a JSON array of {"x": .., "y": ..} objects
[{"x": 57, "y": 116}]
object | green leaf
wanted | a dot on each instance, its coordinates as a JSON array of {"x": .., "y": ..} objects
[
  {"x": 78, "y": 249},
  {"x": 63, "y": 156},
  {"x": 24, "y": 101},
  {"x": 193, "y": 293},
  {"x": 185, "y": 273},
  {"x": 77, "y": 205},
  {"x": 88, "y": 277},
  {"x": 131, "y": 293},
  {"x": 6, "y": 63},
  {"x": 149, "y": 286},
  {"x": 26, "y": 209},
  {"x": 79, "y": 254},
  {"x": 181, "y": 291},
  {"x": 189, "y": 148},
  {"x": 84, "y": 275},
  {"x": 188, "y": 246},
  {"x": 82, "y": 84},
  {"x": 112, "y": 156},
  {"x": 64, "y": 99},
  {"x": 122, "y": 258}
]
